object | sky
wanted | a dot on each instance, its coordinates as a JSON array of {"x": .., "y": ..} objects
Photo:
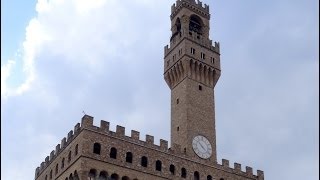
[{"x": 105, "y": 57}]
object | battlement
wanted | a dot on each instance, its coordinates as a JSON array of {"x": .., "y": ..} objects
[
  {"x": 237, "y": 169},
  {"x": 193, "y": 37},
  {"x": 194, "y": 5}
]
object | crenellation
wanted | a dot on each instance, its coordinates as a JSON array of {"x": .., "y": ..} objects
[
  {"x": 176, "y": 148},
  {"x": 249, "y": 170},
  {"x": 104, "y": 126},
  {"x": 37, "y": 171},
  {"x": 260, "y": 174},
  {"x": 58, "y": 147},
  {"x": 76, "y": 128},
  {"x": 52, "y": 155},
  {"x": 47, "y": 160},
  {"x": 135, "y": 135},
  {"x": 63, "y": 142},
  {"x": 70, "y": 136},
  {"x": 163, "y": 145},
  {"x": 42, "y": 166},
  {"x": 120, "y": 131},
  {"x": 237, "y": 167},
  {"x": 149, "y": 139},
  {"x": 225, "y": 163},
  {"x": 87, "y": 121},
  {"x": 196, "y": 6}
]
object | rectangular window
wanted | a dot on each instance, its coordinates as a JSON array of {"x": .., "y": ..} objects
[
  {"x": 212, "y": 60},
  {"x": 193, "y": 51},
  {"x": 203, "y": 56},
  {"x": 200, "y": 87}
]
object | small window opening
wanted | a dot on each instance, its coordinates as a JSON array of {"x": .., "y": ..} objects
[
  {"x": 196, "y": 176},
  {"x": 200, "y": 87},
  {"x": 178, "y": 128},
  {"x": 172, "y": 169},
  {"x": 203, "y": 56},
  {"x": 62, "y": 164},
  {"x": 129, "y": 157},
  {"x": 96, "y": 148},
  {"x": 209, "y": 177},
  {"x": 193, "y": 51},
  {"x": 158, "y": 165},
  {"x": 113, "y": 153},
  {"x": 69, "y": 156},
  {"x": 178, "y": 101},
  {"x": 212, "y": 60},
  {"x": 183, "y": 173},
  {"x": 76, "y": 150},
  {"x": 144, "y": 161},
  {"x": 185, "y": 150}
]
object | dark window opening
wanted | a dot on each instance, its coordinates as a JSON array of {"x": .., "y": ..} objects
[
  {"x": 57, "y": 169},
  {"x": 200, "y": 87},
  {"x": 51, "y": 174},
  {"x": 178, "y": 101},
  {"x": 114, "y": 177},
  {"x": 172, "y": 169},
  {"x": 92, "y": 174},
  {"x": 62, "y": 164},
  {"x": 195, "y": 24},
  {"x": 178, "y": 128},
  {"x": 212, "y": 60},
  {"x": 103, "y": 175},
  {"x": 144, "y": 161},
  {"x": 183, "y": 173},
  {"x": 96, "y": 148},
  {"x": 196, "y": 175},
  {"x": 125, "y": 178},
  {"x": 69, "y": 156},
  {"x": 76, "y": 150},
  {"x": 185, "y": 150},
  {"x": 209, "y": 177},
  {"x": 113, "y": 153},
  {"x": 158, "y": 165},
  {"x": 193, "y": 51},
  {"x": 129, "y": 157}
]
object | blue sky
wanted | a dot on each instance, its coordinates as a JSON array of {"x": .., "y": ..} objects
[{"x": 105, "y": 57}]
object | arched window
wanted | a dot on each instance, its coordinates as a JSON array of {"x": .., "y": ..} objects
[
  {"x": 221, "y": 179},
  {"x": 76, "y": 177},
  {"x": 195, "y": 24},
  {"x": 96, "y": 148},
  {"x": 92, "y": 174},
  {"x": 103, "y": 175},
  {"x": 71, "y": 177},
  {"x": 196, "y": 176},
  {"x": 158, "y": 165},
  {"x": 129, "y": 157},
  {"x": 113, "y": 153},
  {"x": 69, "y": 156},
  {"x": 51, "y": 174},
  {"x": 144, "y": 161},
  {"x": 209, "y": 177},
  {"x": 57, "y": 169},
  {"x": 172, "y": 169},
  {"x": 114, "y": 177},
  {"x": 62, "y": 163},
  {"x": 125, "y": 178},
  {"x": 46, "y": 178},
  {"x": 76, "y": 150},
  {"x": 183, "y": 173}
]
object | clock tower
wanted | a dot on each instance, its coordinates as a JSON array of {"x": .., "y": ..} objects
[{"x": 191, "y": 70}]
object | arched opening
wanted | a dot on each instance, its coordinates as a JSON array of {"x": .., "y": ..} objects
[
  {"x": 195, "y": 24},
  {"x": 158, "y": 165},
  {"x": 57, "y": 169},
  {"x": 71, "y": 177},
  {"x": 209, "y": 177},
  {"x": 129, "y": 157},
  {"x": 103, "y": 175},
  {"x": 172, "y": 169},
  {"x": 62, "y": 163},
  {"x": 144, "y": 161},
  {"x": 176, "y": 29},
  {"x": 76, "y": 150},
  {"x": 69, "y": 156},
  {"x": 113, "y": 153},
  {"x": 76, "y": 177},
  {"x": 125, "y": 178},
  {"x": 114, "y": 176},
  {"x": 183, "y": 173},
  {"x": 92, "y": 174},
  {"x": 46, "y": 178},
  {"x": 196, "y": 175},
  {"x": 96, "y": 148}
]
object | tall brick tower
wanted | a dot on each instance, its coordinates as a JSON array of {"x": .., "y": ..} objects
[{"x": 191, "y": 70}]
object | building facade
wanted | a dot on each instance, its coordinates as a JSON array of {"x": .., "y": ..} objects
[{"x": 191, "y": 70}]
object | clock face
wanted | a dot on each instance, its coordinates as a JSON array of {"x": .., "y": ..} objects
[{"x": 202, "y": 147}]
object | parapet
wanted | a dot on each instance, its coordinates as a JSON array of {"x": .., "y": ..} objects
[
  {"x": 237, "y": 169},
  {"x": 191, "y": 4}
]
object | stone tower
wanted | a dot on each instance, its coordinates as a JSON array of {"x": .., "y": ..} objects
[{"x": 191, "y": 70}]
